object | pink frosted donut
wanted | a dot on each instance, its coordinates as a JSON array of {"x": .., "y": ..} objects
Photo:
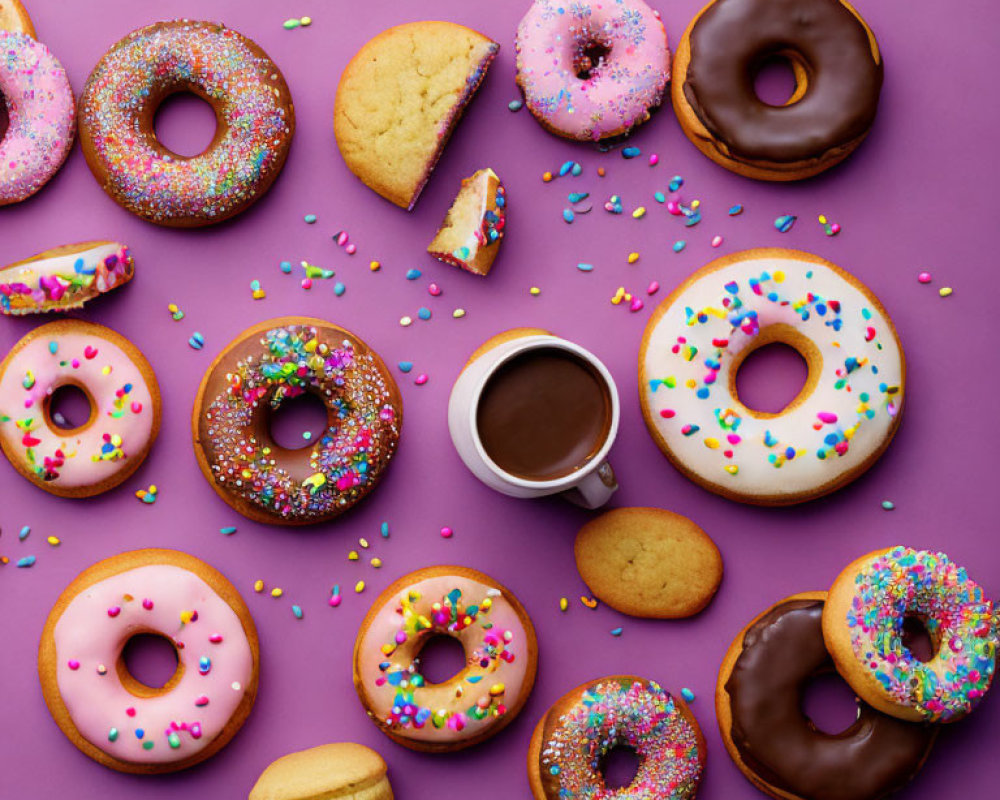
[
  {"x": 42, "y": 116},
  {"x": 592, "y": 70}
]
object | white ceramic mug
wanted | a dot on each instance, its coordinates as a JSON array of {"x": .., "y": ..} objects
[{"x": 590, "y": 486}]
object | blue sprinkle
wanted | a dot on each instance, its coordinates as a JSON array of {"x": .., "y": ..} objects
[
  {"x": 309, "y": 219},
  {"x": 385, "y": 530},
  {"x": 576, "y": 197},
  {"x": 53, "y": 347},
  {"x": 339, "y": 289},
  {"x": 139, "y": 733},
  {"x": 585, "y": 267},
  {"x": 24, "y": 533},
  {"x": 297, "y": 611},
  {"x": 576, "y": 170},
  {"x": 412, "y": 274},
  {"x": 784, "y": 223},
  {"x": 631, "y": 152},
  {"x": 888, "y": 505},
  {"x": 736, "y": 210},
  {"x": 515, "y": 105},
  {"x": 228, "y": 531},
  {"x": 424, "y": 313},
  {"x": 659, "y": 197},
  {"x": 676, "y": 183},
  {"x": 568, "y": 215},
  {"x": 616, "y": 632},
  {"x": 679, "y": 245},
  {"x": 197, "y": 341},
  {"x": 687, "y": 694},
  {"x": 286, "y": 267},
  {"x": 405, "y": 366},
  {"x": 565, "y": 168},
  {"x": 27, "y": 561}
]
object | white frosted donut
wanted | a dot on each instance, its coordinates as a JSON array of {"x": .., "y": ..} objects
[{"x": 841, "y": 420}]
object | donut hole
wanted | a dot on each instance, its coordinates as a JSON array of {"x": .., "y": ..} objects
[
  {"x": 917, "y": 639},
  {"x": 149, "y": 660},
  {"x": 185, "y": 124},
  {"x": 589, "y": 57},
  {"x": 770, "y": 378},
  {"x": 779, "y": 79},
  {"x": 441, "y": 658},
  {"x": 69, "y": 408},
  {"x": 298, "y": 422},
  {"x": 619, "y": 767},
  {"x": 829, "y": 703}
]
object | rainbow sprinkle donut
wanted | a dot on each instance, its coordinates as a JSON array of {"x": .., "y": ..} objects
[
  {"x": 267, "y": 365},
  {"x": 863, "y": 629},
  {"x": 255, "y": 122},
  {"x": 591, "y": 71},
  {"x": 841, "y": 421},
  {"x": 41, "y": 113},
  {"x": 571, "y": 741}
]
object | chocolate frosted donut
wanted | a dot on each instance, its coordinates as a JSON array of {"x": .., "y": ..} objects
[
  {"x": 273, "y": 362},
  {"x": 780, "y": 749},
  {"x": 838, "y": 71}
]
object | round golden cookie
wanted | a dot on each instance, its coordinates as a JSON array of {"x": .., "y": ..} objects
[
  {"x": 648, "y": 562},
  {"x": 102, "y": 708},
  {"x": 399, "y": 100},
  {"x": 14, "y": 17},
  {"x": 340, "y": 771},
  {"x": 834, "y": 58}
]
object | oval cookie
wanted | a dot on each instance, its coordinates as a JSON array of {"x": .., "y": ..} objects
[{"x": 648, "y": 562}]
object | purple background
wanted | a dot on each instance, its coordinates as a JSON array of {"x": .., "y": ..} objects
[{"x": 918, "y": 195}]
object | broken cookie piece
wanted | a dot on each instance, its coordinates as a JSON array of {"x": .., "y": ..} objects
[{"x": 472, "y": 230}]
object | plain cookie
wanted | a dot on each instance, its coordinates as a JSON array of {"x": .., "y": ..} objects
[
  {"x": 400, "y": 98},
  {"x": 648, "y": 562},
  {"x": 341, "y": 771}
]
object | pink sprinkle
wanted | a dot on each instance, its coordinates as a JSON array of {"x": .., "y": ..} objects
[
  {"x": 334, "y": 600},
  {"x": 434, "y": 289},
  {"x": 130, "y": 711},
  {"x": 114, "y": 611},
  {"x": 636, "y": 305},
  {"x": 73, "y": 664},
  {"x": 195, "y": 730},
  {"x": 351, "y": 249},
  {"x": 215, "y": 638},
  {"x": 674, "y": 208},
  {"x": 75, "y": 363},
  {"x": 400, "y": 637},
  {"x": 827, "y": 417},
  {"x": 716, "y": 241},
  {"x": 654, "y": 160},
  {"x": 653, "y": 288},
  {"x": 342, "y": 238},
  {"x": 201, "y": 701},
  {"x": 733, "y": 438},
  {"x": 421, "y": 379},
  {"x": 147, "y": 604},
  {"x": 667, "y": 413},
  {"x": 136, "y": 408},
  {"x": 924, "y": 277},
  {"x": 835, "y": 228},
  {"x": 307, "y": 283},
  {"x": 869, "y": 334},
  {"x": 446, "y": 533}
]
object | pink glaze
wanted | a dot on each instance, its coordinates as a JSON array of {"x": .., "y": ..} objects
[
  {"x": 93, "y": 630},
  {"x": 121, "y": 425},
  {"x": 42, "y": 116},
  {"x": 496, "y": 647},
  {"x": 552, "y": 49}
]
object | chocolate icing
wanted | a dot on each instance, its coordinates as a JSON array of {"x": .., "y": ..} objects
[
  {"x": 872, "y": 758},
  {"x": 543, "y": 414},
  {"x": 733, "y": 38}
]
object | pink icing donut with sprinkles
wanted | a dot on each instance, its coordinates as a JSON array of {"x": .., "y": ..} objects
[
  {"x": 501, "y": 654},
  {"x": 102, "y": 708},
  {"x": 124, "y": 408},
  {"x": 592, "y": 70},
  {"x": 41, "y": 114},
  {"x": 255, "y": 121},
  {"x": 863, "y": 626},
  {"x": 843, "y": 418},
  {"x": 567, "y": 751}
]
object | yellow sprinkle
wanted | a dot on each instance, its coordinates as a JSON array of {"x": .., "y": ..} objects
[
  {"x": 388, "y": 649},
  {"x": 732, "y": 469},
  {"x": 374, "y": 266},
  {"x": 106, "y": 371},
  {"x": 258, "y": 586},
  {"x": 186, "y": 617},
  {"x": 406, "y": 321},
  {"x": 535, "y": 291},
  {"x": 779, "y": 276},
  {"x": 690, "y": 383},
  {"x": 305, "y": 22},
  {"x": 712, "y": 443},
  {"x": 822, "y": 219},
  {"x": 54, "y": 541},
  {"x": 639, "y": 213},
  {"x": 695, "y": 203},
  {"x": 376, "y": 562},
  {"x": 633, "y": 257},
  {"x": 276, "y": 592},
  {"x": 497, "y": 689},
  {"x": 363, "y": 542},
  {"x": 359, "y": 587},
  {"x": 353, "y": 556},
  {"x": 458, "y": 313},
  {"x": 172, "y": 307},
  {"x": 945, "y": 291},
  {"x": 563, "y": 603}
]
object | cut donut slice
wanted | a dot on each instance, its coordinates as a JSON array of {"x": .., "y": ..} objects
[
  {"x": 399, "y": 99},
  {"x": 473, "y": 228}
]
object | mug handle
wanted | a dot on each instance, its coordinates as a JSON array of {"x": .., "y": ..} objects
[{"x": 595, "y": 489}]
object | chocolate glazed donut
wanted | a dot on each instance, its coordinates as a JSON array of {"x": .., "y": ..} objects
[
  {"x": 838, "y": 71},
  {"x": 780, "y": 749}
]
